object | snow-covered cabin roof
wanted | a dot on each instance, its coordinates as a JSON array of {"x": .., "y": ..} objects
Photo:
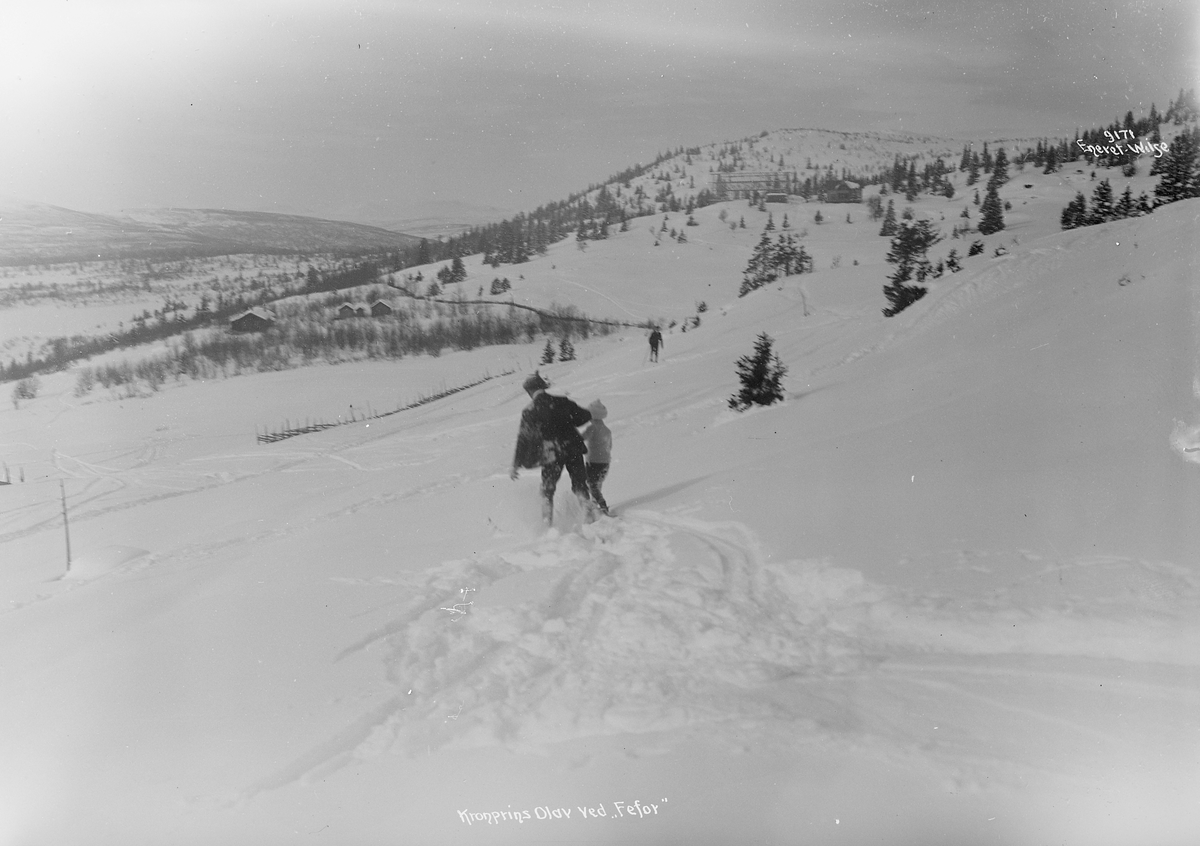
[{"x": 258, "y": 312}]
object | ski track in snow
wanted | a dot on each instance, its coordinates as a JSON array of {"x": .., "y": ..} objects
[{"x": 654, "y": 623}]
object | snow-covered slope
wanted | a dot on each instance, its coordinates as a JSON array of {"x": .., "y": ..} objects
[
  {"x": 36, "y": 233},
  {"x": 946, "y": 592}
]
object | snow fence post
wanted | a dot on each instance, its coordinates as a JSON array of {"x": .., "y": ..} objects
[{"x": 62, "y": 489}]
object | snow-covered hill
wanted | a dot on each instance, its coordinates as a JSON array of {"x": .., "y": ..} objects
[
  {"x": 946, "y": 592},
  {"x": 36, "y": 233}
]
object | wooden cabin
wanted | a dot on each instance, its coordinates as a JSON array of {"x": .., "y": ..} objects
[
  {"x": 252, "y": 320},
  {"x": 844, "y": 192}
]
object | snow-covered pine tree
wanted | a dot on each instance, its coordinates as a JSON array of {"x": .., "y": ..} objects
[
  {"x": 909, "y": 252},
  {"x": 760, "y": 270},
  {"x": 991, "y": 212},
  {"x": 1102, "y": 203},
  {"x": 761, "y": 376},
  {"x": 889, "y": 220},
  {"x": 999, "y": 169},
  {"x": 1075, "y": 213},
  {"x": 566, "y": 350},
  {"x": 548, "y": 352},
  {"x": 1125, "y": 206}
]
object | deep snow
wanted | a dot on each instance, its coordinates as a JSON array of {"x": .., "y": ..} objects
[{"x": 946, "y": 592}]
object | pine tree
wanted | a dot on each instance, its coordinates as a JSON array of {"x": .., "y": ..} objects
[
  {"x": 1075, "y": 214},
  {"x": 761, "y": 375},
  {"x": 889, "y": 220},
  {"x": 909, "y": 252},
  {"x": 1051, "y": 160},
  {"x": 548, "y": 352},
  {"x": 991, "y": 213},
  {"x": 566, "y": 350},
  {"x": 1102, "y": 203},
  {"x": 999, "y": 169},
  {"x": 1125, "y": 206}
]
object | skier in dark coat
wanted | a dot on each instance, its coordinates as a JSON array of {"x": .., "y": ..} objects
[
  {"x": 656, "y": 339},
  {"x": 549, "y": 437}
]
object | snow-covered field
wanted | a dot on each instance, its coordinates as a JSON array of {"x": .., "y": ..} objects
[{"x": 947, "y": 592}]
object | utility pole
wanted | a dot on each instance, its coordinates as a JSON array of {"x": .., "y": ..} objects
[{"x": 66, "y": 527}]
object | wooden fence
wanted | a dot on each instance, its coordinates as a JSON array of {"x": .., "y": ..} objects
[{"x": 268, "y": 436}]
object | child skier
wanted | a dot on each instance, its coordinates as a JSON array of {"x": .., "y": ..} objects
[{"x": 598, "y": 438}]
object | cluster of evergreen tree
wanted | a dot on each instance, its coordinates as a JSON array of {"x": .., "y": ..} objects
[
  {"x": 350, "y": 275},
  {"x": 1183, "y": 109},
  {"x": 934, "y": 178},
  {"x": 1103, "y": 207},
  {"x": 453, "y": 273},
  {"x": 1179, "y": 179},
  {"x": 566, "y": 351},
  {"x": 771, "y": 260},
  {"x": 1179, "y": 169},
  {"x": 909, "y": 252},
  {"x": 991, "y": 210}
]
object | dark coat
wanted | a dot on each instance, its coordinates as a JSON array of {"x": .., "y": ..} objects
[{"x": 550, "y": 420}]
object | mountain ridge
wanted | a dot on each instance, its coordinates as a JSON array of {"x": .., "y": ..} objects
[{"x": 41, "y": 233}]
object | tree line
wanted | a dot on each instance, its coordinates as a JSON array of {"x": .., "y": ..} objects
[{"x": 301, "y": 338}]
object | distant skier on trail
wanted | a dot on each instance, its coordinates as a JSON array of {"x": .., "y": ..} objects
[
  {"x": 656, "y": 339},
  {"x": 597, "y": 437},
  {"x": 549, "y": 437}
]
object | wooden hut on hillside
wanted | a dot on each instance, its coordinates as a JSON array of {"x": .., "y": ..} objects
[
  {"x": 252, "y": 320},
  {"x": 348, "y": 310},
  {"x": 382, "y": 308},
  {"x": 844, "y": 192}
]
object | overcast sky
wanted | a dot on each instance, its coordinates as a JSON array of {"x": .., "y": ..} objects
[{"x": 374, "y": 110}]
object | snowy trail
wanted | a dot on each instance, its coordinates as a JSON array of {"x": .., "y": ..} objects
[{"x": 663, "y": 624}]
